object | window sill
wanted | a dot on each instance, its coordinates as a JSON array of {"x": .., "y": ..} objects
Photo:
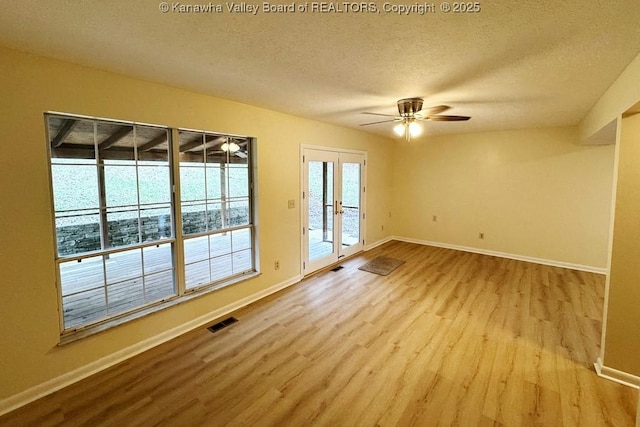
[{"x": 72, "y": 336}]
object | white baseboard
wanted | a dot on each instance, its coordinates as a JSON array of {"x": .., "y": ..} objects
[
  {"x": 616, "y": 375},
  {"x": 48, "y": 387},
  {"x": 378, "y": 243},
  {"x": 553, "y": 263}
]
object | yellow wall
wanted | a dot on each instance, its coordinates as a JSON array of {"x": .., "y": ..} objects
[
  {"x": 622, "y": 339},
  {"x": 31, "y": 85},
  {"x": 620, "y": 96},
  {"x": 533, "y": 193}
]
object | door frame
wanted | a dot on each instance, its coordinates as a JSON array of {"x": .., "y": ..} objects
[{"x": 363, "y": 200}]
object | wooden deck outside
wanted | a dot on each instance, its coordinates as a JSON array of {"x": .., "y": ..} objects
[
  {"x": 143, "y": 276},
  {"x": 100, "y": 286}
]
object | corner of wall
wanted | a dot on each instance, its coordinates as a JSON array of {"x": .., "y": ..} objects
[{"x": 620, "y": 96}]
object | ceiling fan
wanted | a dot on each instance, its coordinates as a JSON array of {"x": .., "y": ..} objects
[{"x": 411, "y": 113}]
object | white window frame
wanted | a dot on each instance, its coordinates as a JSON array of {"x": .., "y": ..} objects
[
  {"x": 177, "y": 239},
  {"x": 225, "y": 201}
]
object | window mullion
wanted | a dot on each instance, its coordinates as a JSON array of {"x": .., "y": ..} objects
[
  {"x": 223, "y": 195},
  {"x": 137, "y": 165},
  {"x": 102, "y": 208},
  {"x": 102, "y": 193},
  {"x": 178, "y": 246}
]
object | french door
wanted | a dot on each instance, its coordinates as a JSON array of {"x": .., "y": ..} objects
[{"x": 333, "y": 206}]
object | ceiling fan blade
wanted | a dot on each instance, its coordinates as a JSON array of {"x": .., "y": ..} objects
[
  {"x": 375, "y": 123},
  {"x": 448, "y": 118},
  {"x": 433, "y": 110},
  {"x": 379, "y": 114}
]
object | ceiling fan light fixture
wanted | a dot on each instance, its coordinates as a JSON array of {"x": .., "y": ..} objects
[
  {"x": 414, "y": 129},
  {"x": 408, "y": 128},
  {"x": 231, "y": 147},
  {"x": 408, "y": 107},
  {"x": 410, "y": 113}
]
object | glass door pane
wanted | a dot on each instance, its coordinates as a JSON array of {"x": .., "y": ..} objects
[
  {"x": 350, "y": 205},
  {"x": 321, "y": 210},
  {"x": 333, "y": 206}
]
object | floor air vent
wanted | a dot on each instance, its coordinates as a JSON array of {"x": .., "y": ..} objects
[
  {"x": 338, "y": 268},
  {"x": 222, "y": 324}
]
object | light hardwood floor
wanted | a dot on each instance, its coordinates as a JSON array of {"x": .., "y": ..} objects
[{"x": 449, "y": 338}]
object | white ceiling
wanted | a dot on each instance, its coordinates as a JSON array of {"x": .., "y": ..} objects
[{"x": 515, "y": 64}]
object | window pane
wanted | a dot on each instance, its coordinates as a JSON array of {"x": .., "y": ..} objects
[
  {"x": 157, "y": 258},
  {"x": 196, "y": 249},
  {"x": 125, "y": 296},
  {"x": 320, "y": 233},
  {"x": 152, "y": 145},
  {"x": 78, "y": 232},
  {"x": 122, "y": 266},
  {"x": 238, "y": 182},
  {"x": 241, "y": 261},
  {"x": 158, "y": 286},
  {"x": 241, "y": 239},
  {"x": 239, "y": 158},
  {"x": 220, "y": 244},
  {"x": 192, "y": 183},
  {"x": 191, "y": 146},
  {"x": 79, "y": 276},
  {"x": 154, "y": 184},
  {"x": 197, "y": 274},
  {"x": 221, "y": 267},
  {"x": 213, "y": 183},
  {"x": 75, "y": 187},
  {"x": 350, "y": 204},
  {"x": 121, "y": 185},
  {"x": 83, "y": 308},
  {"x": 156, "y": 223},
  {"x": 115, "y": 141},
  {"x": 194, "y": 218},
  {"x": 238, "y": 213},
  {"x": 214, "y": 216},
  {"x": 351, "y": 184},
  {"x": 73, "y": 139},
  {"x": 122, "y": 229}
]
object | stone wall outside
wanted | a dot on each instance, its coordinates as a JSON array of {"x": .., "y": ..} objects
[{"x": 75, "y": 239}]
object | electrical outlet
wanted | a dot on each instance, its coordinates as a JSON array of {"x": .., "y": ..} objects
[
  {"x": 435, "y": 218},
  {"x": 276, "y": 265},
  {"x": 292, "y": 204},
  {"x": 481, "y": 236}
]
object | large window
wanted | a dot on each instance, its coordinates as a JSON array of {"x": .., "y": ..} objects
[
  {"x": 216, "y": 212},
  {"x": 115, "y": 216}
]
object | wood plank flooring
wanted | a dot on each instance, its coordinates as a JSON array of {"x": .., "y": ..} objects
[{"x": 449, "y": 338}]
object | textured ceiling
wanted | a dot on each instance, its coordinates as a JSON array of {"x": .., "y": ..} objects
[{"x": 515, "y": 64}]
